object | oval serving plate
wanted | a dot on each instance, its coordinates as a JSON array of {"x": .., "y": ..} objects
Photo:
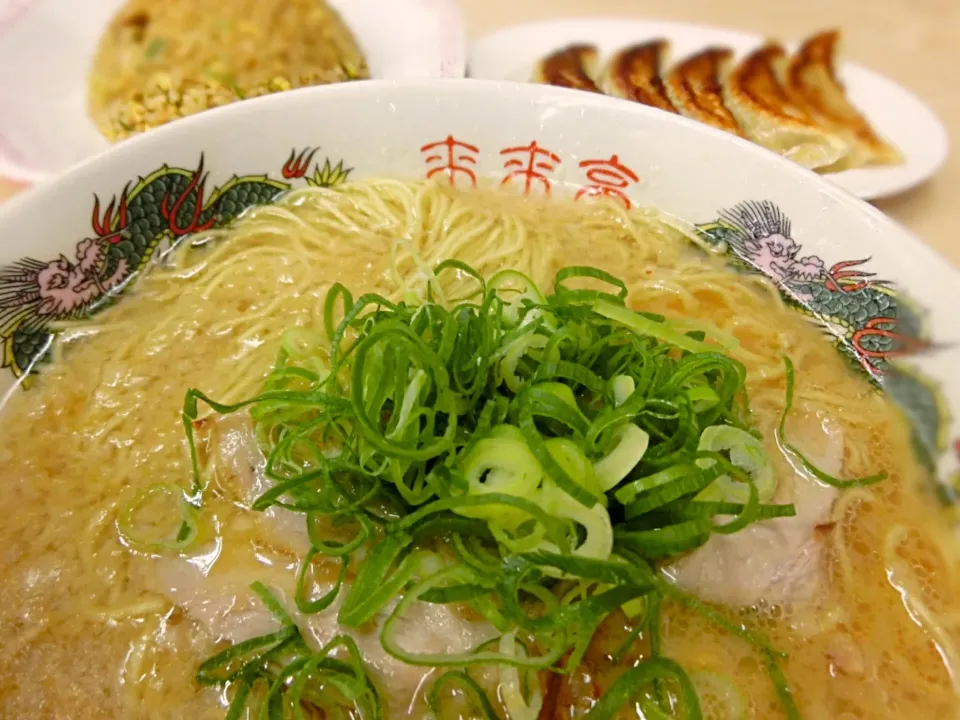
[
  {"x": 896, "y": 113},
  {"x": 44, "y": 126},
  {"x": 766, "y": 214}
]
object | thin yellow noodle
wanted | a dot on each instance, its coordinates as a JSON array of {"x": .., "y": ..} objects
[
  {"x": 265, "y": 312},
  {"x": 228, "y": 268},
  {"x": 841, "y": 513},
  {"x": 132, "y": 671},
  {"x": 921, "y": 614},
  {"x": 104, "y": 421},
  {"x": 94, "y": 529},
  {"x": 150, "y": 606}
]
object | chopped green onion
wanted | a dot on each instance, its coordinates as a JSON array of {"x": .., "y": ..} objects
[
  {"x": 687, "y": 484},
  {"x": 628, "y": 685},
  {"x": 807, "y": 465},
  {"x": 132, "y": 525},
  {"x": 154, "y": 48},
  {"x": 530, "y": 456},
  {"x": 627, "y": 493},
  {"x": 630, "y": 444},
  {"x": 292, "y": 673},
  {"x": 721, "y": 692},
  {"x": 644, "y": 326},
  {"x": 623, "y": 387},
  {"x": 308, "y": 607},
  {"x": 511, "y": 689},
  {"x": 665, "y": 541},
  {"x": 747, "y": 453},
  {"x": 228, "y": 665},
  {"x": 272, "y": 603},
  {"x": 782, "y": 687},
  {"x": 376, "y": 585},
  {"x": 501, "y": 465},
  {"x": 472, "y": 693},
  {"x": 477, "y": 657}
]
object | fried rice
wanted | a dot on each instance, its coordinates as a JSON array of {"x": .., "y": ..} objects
[{"x": 159, "y": 61}]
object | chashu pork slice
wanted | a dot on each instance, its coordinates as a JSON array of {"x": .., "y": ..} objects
[
  {"x": 212, "y": 586},
  {"x": 779, "y": 562}
]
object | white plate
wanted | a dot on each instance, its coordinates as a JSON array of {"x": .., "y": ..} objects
[
  {"x": 46, "y": 47},
  {"x": 896, "y": 113}
]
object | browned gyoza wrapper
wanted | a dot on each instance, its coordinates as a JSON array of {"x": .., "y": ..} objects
[
  {"x": 571, "y": 67},
  {"x": 812, "y": 84},
  {"x": 695, "y": 86},
  {"x": 763, "y": 108},
  {"x": 635, "y": 73}
]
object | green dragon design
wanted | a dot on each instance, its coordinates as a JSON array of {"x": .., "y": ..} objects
[
  {"x": 869, "y": 322},
  {"x": 150, "y": 216}
]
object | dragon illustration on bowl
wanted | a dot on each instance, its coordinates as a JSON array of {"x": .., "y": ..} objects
[
  {"x": 150, "y": 215},
  {"x": 868, "y": 321}
]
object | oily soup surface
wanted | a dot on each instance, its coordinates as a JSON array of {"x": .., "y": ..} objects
[{"x": 92, "y": 629}]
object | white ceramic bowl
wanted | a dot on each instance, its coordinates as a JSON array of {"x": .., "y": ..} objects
[
  {"x": 44, "y": 126},
  {"x": 817, "y": 241}
]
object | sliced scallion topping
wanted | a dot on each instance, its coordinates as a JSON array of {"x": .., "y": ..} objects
[
  {"x": 497, "y": 451},
  {"x": 137, "y": 521},
  {"x": 792, "y": 449}
]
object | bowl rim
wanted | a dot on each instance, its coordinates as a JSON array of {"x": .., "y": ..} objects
[
  {"x": 539, "y": 93},
  {"x": 927, "y": 281}
]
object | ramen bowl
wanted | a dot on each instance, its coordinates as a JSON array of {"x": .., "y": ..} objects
[
  {"x": 76, "y": 246},
  {"x": 548, "y": 142}
]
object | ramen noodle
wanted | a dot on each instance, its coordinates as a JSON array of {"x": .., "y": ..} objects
[{"x": 846, "y": 609}]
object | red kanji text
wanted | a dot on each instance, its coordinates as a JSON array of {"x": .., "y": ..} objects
[
  {"x": 530, "y": 165},
  {"x": 609, "y": 178},
  {"x": 452, "y": 158}
]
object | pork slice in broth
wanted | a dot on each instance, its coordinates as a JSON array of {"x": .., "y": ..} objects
[
  {"x": 780, "y": 561},
  {"x": 213, "y": 586},
  {"x": 225, "y": 606},
  {"x": 239, "y": 467}
]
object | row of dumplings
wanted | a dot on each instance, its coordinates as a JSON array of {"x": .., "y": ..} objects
[{"x": 792, "y": 104}]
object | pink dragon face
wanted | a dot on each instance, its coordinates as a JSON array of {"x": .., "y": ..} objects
[
  {"x": 772, "y": 249},
  {"x": 64, "y": 286},
  {"x": 773, "y": 254},
  {"x": 777, "y": 255},
  {"x": 89, "y": 254}
]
